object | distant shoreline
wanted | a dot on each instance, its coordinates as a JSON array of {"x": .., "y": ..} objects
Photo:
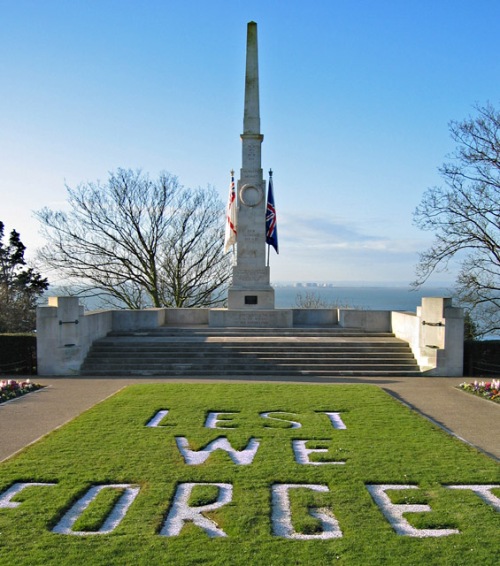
[
  {"x": 370, "y": 284},
  {"x": 369, "y": 297}
]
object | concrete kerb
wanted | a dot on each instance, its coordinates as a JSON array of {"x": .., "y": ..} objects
[{"x": 31, "y": 417}]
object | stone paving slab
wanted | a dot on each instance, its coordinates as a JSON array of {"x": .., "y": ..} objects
[{"x": 27, "y": 419}]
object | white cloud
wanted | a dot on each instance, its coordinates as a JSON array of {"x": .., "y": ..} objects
[{"x": 327, "y": 248}]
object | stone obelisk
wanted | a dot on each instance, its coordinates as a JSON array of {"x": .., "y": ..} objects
[{"x": 251, "y": 287}]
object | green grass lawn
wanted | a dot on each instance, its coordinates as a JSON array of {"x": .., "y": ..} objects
[{"x": 373, "y": 441}]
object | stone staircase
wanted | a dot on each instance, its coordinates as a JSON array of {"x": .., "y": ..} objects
[{"x": 250, "y": 353}]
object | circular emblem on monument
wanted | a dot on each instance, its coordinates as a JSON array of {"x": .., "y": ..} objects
[{"x": 251, "y": 195}]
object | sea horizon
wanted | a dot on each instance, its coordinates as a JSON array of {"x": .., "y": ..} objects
[{"x": 367, "y": 296}]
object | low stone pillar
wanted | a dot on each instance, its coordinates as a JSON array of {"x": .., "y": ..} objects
[
  {"x": 59, "y": 336},
  {"x": 442, "y": 336},
  {"x": 435, "y": 334}
]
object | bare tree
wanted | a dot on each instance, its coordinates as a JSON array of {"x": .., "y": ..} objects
[
  {"x": 465, "y": 217},
  {"x": 140, "y": 242}
]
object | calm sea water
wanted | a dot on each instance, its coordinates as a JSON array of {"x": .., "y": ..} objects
[{"x": 372, "y": 298}]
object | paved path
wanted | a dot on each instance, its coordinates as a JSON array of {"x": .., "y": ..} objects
[{"x": 28, "y": 418}]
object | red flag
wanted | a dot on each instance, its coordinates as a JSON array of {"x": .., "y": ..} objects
[{"x": 231, "y": 232}]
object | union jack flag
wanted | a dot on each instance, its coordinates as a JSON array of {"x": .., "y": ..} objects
[
  {"x": 271, "y": 227},
  {"x": 231, "y": 231}
]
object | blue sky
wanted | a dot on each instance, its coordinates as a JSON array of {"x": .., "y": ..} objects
[{"x": 356, "y": 97}]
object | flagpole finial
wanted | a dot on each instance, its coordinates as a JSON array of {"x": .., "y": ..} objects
[
  {"x": 270, "y": 172},
  {"x": 232, "y": 172}
]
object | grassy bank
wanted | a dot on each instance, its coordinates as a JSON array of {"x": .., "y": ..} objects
[{"x": 372, "y": 440}]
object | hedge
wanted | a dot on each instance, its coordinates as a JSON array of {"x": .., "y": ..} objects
[
  {"x": 482, "y": 358},
  {"x": 17, "y": 354}
]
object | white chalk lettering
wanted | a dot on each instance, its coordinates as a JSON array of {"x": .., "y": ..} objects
[
  {"x": 65, "y": 525},
  {"x": 267, "y": 415},
  {"x": 6, "y": 497},
  {"x": 214, "y": 418},
  {"x": 394, "y": 513},
  {"x": 336, "y": 421},
  {"x": 222, "y": 419},
  {"x": 196, "y": 457},
  {"x": 484, "y": 492},
  {"x": 281, "y": 514},
  {"x": 181, "y": 512},
  {"x": 156, "y": 420},
  {"x": 302, "y": 454}
]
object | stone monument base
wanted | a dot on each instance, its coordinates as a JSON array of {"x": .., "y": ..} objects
[
  {"x": 258, "y": 298},
  {"x": 221, "y": 318}
]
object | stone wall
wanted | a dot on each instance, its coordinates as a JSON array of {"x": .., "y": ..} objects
[
  {"x": 435, "y": 334},
  {"x": 65, "y": 332}
]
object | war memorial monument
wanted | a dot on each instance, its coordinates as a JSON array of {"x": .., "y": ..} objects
[
  {"x": 433, "y": 335},
  {"x": 251, "y": 278}
]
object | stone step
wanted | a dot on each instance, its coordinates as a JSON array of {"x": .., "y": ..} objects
[
  {"x": 256, "y": 374},
  {"x": 203, "y": 352},
  {"x": 247, "y": 348},
  {"x": 131, "y": 355},
  {"x": 188, "y": 372},
  {"x": 262, "y": 342},
  {"x": 241, "y": 364},
  {"x": 248, "y": 365},
  {"x": 204, "y": 331}
]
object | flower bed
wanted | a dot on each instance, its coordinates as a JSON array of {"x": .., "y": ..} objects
[
  {"x": 487, "y": 389},
  {"x": 10, "y": 389}
]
